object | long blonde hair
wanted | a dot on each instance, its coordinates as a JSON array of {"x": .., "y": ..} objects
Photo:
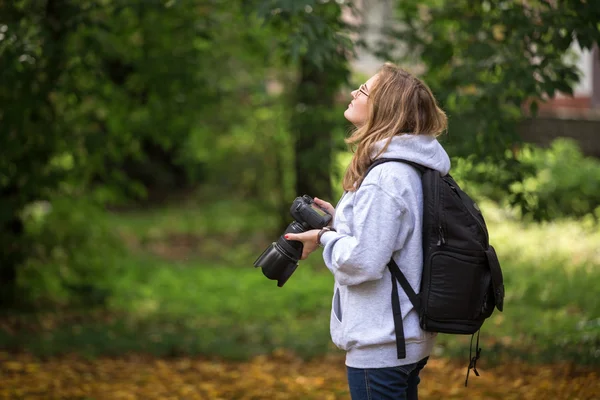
[{"x": 398, "y": 103}]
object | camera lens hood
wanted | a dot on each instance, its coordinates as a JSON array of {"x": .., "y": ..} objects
[{"x": 276, "y": 263}]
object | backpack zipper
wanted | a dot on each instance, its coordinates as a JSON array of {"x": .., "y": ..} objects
[
  {"x": 487, "y": 239},
  {"x": 436, "y": 206},
  {"x": 441, "y": 238}
]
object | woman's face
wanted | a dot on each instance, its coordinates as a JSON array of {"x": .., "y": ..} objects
[{"x": 356, "y": 112}]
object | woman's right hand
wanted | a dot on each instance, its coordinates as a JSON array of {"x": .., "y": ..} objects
[{"x": 326, "y": 206}]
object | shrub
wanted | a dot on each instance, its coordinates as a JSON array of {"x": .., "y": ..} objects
[
  {"x": 540, "y": 183},
  {"x": 564, "y": 183},
  {"x": 74, "y": 254},
  {"x": 487, "y": 179}
]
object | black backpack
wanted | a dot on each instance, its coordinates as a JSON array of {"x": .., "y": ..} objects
[{"x": 462, "y": 280}]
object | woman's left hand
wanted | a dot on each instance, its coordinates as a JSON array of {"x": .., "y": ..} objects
[{"x": 308, "y": 239}]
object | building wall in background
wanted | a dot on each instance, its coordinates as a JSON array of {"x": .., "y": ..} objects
[
  {"x": 577, "y": 116},
  {"x": 544, "y": 129}
]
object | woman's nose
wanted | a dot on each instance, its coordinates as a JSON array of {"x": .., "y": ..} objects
[{"x": 353, "y": 93}]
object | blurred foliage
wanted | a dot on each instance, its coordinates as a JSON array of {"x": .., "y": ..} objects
[
  {"x": 316, "y": 40},
  {"x": 564, "y": 183},
  {"x": 484, "y": 177},
  {"x": 486, "y": 60},
  {"x": 89, "y": 87},
  {"x": 111, "y": 103},
  {"x": 118, "y": 101},
  {"x": 490, "y": 62},
  {"x": 75, "y": 257},
  {"x": 555, "y": 182}
]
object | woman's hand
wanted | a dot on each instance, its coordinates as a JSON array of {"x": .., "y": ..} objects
[
  {"x": 308, "y": 239},
  {"x": 326, "y": 206}
]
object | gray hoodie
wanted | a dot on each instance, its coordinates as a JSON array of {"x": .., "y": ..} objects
[{"x": 382, "y": 219}]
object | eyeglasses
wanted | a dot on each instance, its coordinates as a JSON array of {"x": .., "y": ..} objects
[{"x": 362, "y": 89}]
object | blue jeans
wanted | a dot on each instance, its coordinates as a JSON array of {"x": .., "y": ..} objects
[{"x": 394, "y": 383}]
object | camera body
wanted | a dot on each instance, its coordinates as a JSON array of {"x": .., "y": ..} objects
[{"x": 280, "y": 260}]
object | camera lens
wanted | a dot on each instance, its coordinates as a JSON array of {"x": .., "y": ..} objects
[
  {"x": 273, "y": 261},
  {"x": 280, "y": 259}
]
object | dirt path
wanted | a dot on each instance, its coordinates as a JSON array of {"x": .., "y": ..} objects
[{"x": 280, "y": 376}]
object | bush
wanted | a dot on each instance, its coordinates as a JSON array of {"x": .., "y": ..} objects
[
  {"x": 564, "y": 183},
  {"x": 74, "y": 255},
  {"x": 540, "y": 183},
  {"x": 487, "y": 179}
]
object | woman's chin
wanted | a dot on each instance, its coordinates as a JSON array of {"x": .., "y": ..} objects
[
  {"x": 348, "y": 114},
  {"x": 349, "y": 118}
]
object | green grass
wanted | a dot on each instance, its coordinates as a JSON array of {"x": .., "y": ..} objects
[
  {"x": 210, "y": 300},
  {"x": 193, "y": 308},
  {"x": 226, "y": 216}
]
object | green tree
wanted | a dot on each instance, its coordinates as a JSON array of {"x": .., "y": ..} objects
[
  {"x": 487, "y": 59},
  {"x": 102, "y": 99},
  {"x": 490, "y": 62},
  {"x": 90, "y": 89},
  {"x": 315, "y": 40},
  {"x": 32, "y": 62}
]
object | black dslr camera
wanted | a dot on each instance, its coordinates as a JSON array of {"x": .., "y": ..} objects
[{"x": 280, "y": 259}]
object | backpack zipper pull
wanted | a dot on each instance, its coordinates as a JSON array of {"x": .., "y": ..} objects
[{"x": 441, "y": 239}]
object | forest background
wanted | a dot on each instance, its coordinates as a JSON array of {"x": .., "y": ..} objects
[{"x": 150, "y": 151}]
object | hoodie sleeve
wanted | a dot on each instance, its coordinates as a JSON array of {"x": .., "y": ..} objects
[{"x": 377, "y": 223}]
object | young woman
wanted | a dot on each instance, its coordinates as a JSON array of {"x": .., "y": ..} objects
[{"x": 379, "y": 217}]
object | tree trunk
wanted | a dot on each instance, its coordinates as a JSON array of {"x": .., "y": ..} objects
[
  {"x": 313, "y": 122},
  {"x": 35, "y": 97},
  {"x": 12, "y": 254}
]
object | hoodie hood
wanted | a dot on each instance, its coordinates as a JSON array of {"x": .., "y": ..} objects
[{"x": 421, "y": 149}]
